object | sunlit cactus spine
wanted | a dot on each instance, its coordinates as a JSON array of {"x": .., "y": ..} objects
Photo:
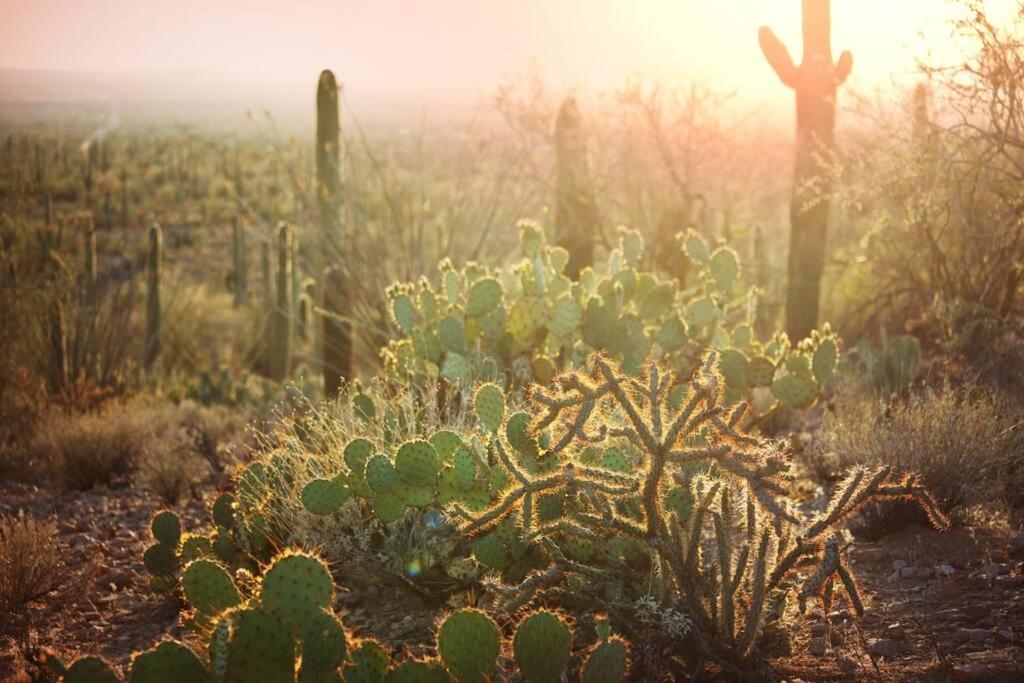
[
  {"x": 153, "y": 342},
  {"x": 576, "y": 217},
  {"x": 281, "y": 320},
  {"x": 815, "y": 82},
  {"x": 336, "y": 331},
  {"x": 240, "y": 267}
]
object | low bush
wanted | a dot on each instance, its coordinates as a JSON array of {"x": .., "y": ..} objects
[{"x": 29, "y": 561}]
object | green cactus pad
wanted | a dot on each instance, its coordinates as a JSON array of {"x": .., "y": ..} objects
[
  {"x": 446, "y": 443},
  {"x": 701, "y": 312},
  {"x": 724, "y": 267},
  {"x": 615, "y": 460},
  {"x": 735, "y": 369},
  {"x": 168, "y": 662},
  {"x": 416, "y": 671},
  {"x": 194, "y": 546},
  {"x": 160, "y": 560},
  {"x": 696, "y": 246},
  {"x": 823, "y": 363},
  {"x": 404, "y": 312},
  {"x": 464, "y": 467},
  {"x": 526, "y": 316},
  {"x": 260, "y": 649},
  {"x": 252, "y": 486},
  {"x": 166, "y": 528},
  {"x": 456, "y": 367},
  {"x": 90, "y": 669},
  {"x": 608, "y": 663},
  {"x": 417, "y": 463},
  {"x": 368, "y": 663},
  {"x": 413, "y": 496},
  {"x": 224, "y": 511},
  {"x": 566, "y": 317},
  {"x": 489, "y": 404},
  {"x": 324, "y": 496},
  {"x": 356, "y": 453},
  {"x": 461, "y": 568},
  {"x": 484, "y": 297},
  {"x": 323, "y": 644},
  {"x": 658, "y": 302},
  {"x": 550, "y": 506},
  {"x": 364, "y": 407},
  {"x": 491, "y": 552},
  {"x": 469, "y": 642},
  {"x": 388, "y": 507},
  {"x": 224, "y": 546},
  {"x": 517, "y": 430},
  {"x": 297, "y": 587},
  {"x": 452, "y": 332},
  {"x": 380, "y": 474},
  {"x": 762, "y": 371},
  {"x": 671, "y": 336},
  {"x": 795, "y": 391},
  {"x": 208, "y": 587},
  {"x": 541, "y": 646},
  {"x": 679, "y": 499}
]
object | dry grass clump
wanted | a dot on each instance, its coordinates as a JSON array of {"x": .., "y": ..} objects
[
  {"x": 84, "y": 451},
  {"x": 966, "y": 443},
  {"x": 29, "y": 561}
]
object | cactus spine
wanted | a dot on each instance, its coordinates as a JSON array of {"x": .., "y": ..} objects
[
  {"x": 815, "y": 82},
  {"x": 281, "y": 320},
  {"x": 153, "y": 267},
  {"x": 576, "y": 218},
  {"x": 238, "y": 252}
]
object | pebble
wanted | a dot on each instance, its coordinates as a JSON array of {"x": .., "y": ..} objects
[
  {"x": 896, "y": 631},
  {"x": 816, "y": 647},
  {"x": 819, "y": 630},
  {"x": 882, "y": 647},
  {"x": 898, "y": 565},
  {"x": 975, "y": 635},
  {"x": 970, "y": 672}
]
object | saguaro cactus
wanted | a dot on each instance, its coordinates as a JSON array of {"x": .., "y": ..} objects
[
  {"x": 281, "y": 320},
  {"x": 90, "y": 263},
  {"x": 576, "y": 220},
  {"x": 268, "y": 277},
  {"x": 153, "y": 341},
  {"x": 336, "y": 335},
  {"x": 815, "y": 82},
  {"x": 238, "y": 254},
  {"x": 328, "y": 153}
]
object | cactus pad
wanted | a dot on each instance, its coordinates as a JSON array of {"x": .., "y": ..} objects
[
  {"x": 489, "y": 404},
  {"x": 491, "y": 552},
  {"x": 823, "y": 363},
  {"x": 160, "y": 560},
  {"x": 209, "y": 588},
  {"x": 468, "y": 642},
  {"x": 464, "y": 467},
  {"x": 224, "y": 511},
  {"x": 166, "y": 528},
  {"x": 724, "y": 267},
  {"x": 324, "y": 496},
  {"x": 297, "y": 587},
  {"x": 484, "y": 297},
  {"x": 403, "y": 312},
  {"x": 416, "y": 463},
  {"x": 608, "y": 663},
  {"x": 388, "y": 507},
  {"x": 368, "y": 663},
  {"x": 323, "y": 644},
  {"x": 356, "y": 454},
  {"x": 416, "y": 671},
  {"x": 795, "y": 391},
  {"x": 90, "y": 669},
  {"x": 260, "y": 648},
  {"x": 762, "y": 371},
  {"x": 168, "y": 662},
  {"x": 541, "y": 645},
  {"x": 517, "y": 430},
  {"x": 380, "y": 474}
]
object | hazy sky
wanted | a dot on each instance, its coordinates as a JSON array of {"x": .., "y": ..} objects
[{"x": 398, "y": 44}]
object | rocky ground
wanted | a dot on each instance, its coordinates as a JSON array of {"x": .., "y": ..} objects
[{"x": 939, "y": 606}]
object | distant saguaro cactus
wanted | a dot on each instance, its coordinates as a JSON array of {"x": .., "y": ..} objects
[
  {"x": 281, "y": 321},
  {"x": 239, "y": 256},
  {"x": 328, "y": 154},
  {"x": 90, "y": 263},
  {"x": 268, "y": 277},
  {"x": 153, "y": 341},
  {"x": 815, "y": 82},
  {"x": 576, "y": 220},
  {"x": 336, "y": 335}
]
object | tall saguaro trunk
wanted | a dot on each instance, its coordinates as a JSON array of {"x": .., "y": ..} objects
[
  {"x": 576, "y": 221},
  {"x": 153, "y": 341},
  {"x": 336, "y": 337},
  {"x": 281, "y": 327},
  {"x": 815, "y": 82}
]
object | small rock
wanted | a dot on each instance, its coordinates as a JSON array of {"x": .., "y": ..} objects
[
  {"x": 898, "y": 565},
  {"x": 836, "y": 637},
  {"x": 970, "y": 672},
  {"x": 819, "y": 630},
  {"x": 1008, "y": 636},
  {"x": 908, "y": 572},
  {"x": 872, "y": 554},
  {"x": 973, "y": 635},
  {"x": 1007, "y": 582},
  {"x": 896, "y": 631},
  {"x": 882, "y": 647},
  {"x": 945, "y": 570},
  {"x": 816, "y": 647}
]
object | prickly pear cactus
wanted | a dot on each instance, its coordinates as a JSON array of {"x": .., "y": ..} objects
[
  {"x": 297, "y": 587},
  {"x": 209, "y": 588},
  {"x": 469, "y": 642},
  {"x": 541, "y": 645},
  {"x": 168, "y": 662}
]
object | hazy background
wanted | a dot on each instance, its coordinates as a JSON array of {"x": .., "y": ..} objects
[{"x": 209, "y": 61}]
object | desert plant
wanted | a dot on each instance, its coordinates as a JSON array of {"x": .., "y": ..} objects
[
  {"x": 240, "y": 260},
  {"x": 815, "y": 82},
  {"x": 30, "y": 561},
  {"x": 576, "y": 221},
  {"x": 84, "y": 451},
  {"x": 281, "y": 320},
  {"x": 891, "y": 367},
  {"x": 615, "y": 467},
  {"x": 153, "y": 341}
]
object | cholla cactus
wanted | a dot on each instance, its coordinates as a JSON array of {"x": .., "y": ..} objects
[{"x": 664, "y": 468}]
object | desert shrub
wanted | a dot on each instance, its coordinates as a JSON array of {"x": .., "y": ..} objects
[
  {"x": 964, "y": 442},
  {"x": 87, "y": 450},
  {"x": 168, "y": 475},
  {"x": 30, "y": 561},
  {"x": 203, "y": 331}
]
